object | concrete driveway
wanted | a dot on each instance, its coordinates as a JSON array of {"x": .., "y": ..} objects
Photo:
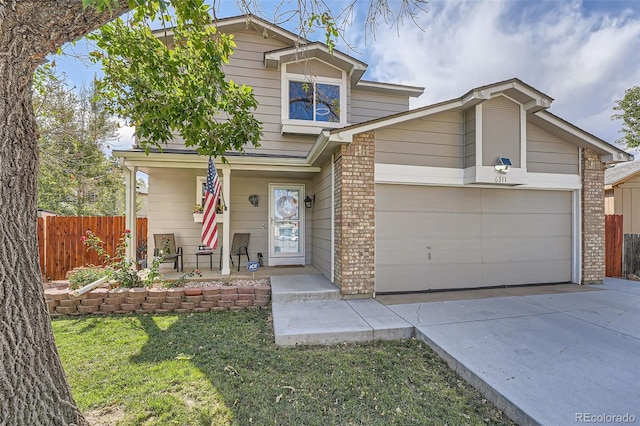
[{"x": 550, "y": 359}]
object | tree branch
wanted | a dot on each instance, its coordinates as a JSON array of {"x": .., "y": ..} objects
[{"x": 46, "y": 25}]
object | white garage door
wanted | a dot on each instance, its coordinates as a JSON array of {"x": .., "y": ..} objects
[{"x": 446, "y": 238}]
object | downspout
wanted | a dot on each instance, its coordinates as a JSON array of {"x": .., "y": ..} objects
[
  {"x": 578, "y": 221},
  {"x": 333, "y": 213}
]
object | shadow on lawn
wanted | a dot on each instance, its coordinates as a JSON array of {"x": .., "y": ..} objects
[
  {"x": 87, "y": 326},
  {"x": 376, "y": 383},
  {"x": 228, "y": 348}
]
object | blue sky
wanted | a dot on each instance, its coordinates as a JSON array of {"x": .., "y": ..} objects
[{"x": 582, "y": 53}]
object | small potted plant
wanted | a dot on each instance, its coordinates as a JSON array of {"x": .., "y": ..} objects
[{"x": 197, "y": 212}]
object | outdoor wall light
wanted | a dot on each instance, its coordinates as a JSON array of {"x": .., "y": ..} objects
[
  {"x": 253, "y": 199},
  {"x": 308, "y": 201},
  {"x": 503, "y": 164}
]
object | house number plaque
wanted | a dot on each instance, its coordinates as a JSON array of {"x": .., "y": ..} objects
[{"x": 501, "y": 179}]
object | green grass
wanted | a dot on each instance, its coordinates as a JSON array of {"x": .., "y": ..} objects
[{"x": 223, "y": 368}]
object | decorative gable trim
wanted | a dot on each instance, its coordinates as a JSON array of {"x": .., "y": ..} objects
[
  {"x": 354, "y": 68},
  {"x": 532, "y": 101},
  {"x": 245, "y": 22},
  {"x": 554, "y": 124}
]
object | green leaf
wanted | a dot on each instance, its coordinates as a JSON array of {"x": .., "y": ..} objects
[{"x": 179, "y": 87}]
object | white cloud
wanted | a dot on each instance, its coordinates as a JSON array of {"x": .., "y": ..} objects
[
  {"x": 583, "y": 59},
  {"x": 125, "y": 138}
]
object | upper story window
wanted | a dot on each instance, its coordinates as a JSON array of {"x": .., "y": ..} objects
[
  {"x": 314, "y": 101},
  {"x": 313, "y": 97}
]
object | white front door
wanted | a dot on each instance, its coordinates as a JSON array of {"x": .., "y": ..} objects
[{"x": 286, "y": 230}]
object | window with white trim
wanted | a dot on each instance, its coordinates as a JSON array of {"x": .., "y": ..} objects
[
  {"x": 200, "y": 192},
  {"x": 313, "y": 101}
]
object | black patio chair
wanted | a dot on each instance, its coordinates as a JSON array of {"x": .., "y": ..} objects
[
  {"x": 170, "y": 253},
  {"x": 239, "y": 247}
]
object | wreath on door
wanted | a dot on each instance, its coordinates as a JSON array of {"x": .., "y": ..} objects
[{"x": 287, "y": 206}]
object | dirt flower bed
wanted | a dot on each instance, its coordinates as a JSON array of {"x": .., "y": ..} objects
[
  {"x": 55, "y": 284},
  {"x": 234, "y": 282},
  {"x": 62, "y": 284}
]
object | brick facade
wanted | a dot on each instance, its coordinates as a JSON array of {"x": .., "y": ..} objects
[
  {"x": 593, "y": 246},
  {"x": 355, "y": 217}
]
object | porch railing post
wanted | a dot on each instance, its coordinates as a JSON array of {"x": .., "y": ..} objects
[{"x": 226, "y": 219}]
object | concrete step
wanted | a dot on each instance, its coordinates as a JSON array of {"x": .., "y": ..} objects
[
  {"x": 336, "y": 321},
  {"x": 303, "y": 288}
]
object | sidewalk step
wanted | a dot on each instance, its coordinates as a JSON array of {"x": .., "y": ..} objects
[
  {"x": 309, "y": 310},
  {"x": 303, "y": 288},
  {"x": 336, "y": 321}
]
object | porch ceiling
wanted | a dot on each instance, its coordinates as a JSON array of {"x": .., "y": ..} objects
[
  {"x": 247, "y": 165},
  {"x": 273, "y": 174}
]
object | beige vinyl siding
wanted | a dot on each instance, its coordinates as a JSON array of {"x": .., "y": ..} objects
[
  {"x": 470, "y": 138},
  {"x": 246, "y": 218},
  {"x": 247, "y": 67},
  {"x": 627, "y": 203},
  {"x": 547, "y": 153},
  {"x": 436, "y": 141},
  {"x": 431, "y": 238},
  {"x": 172, "y": 194},
  {"x": 500, "y": 131},
  {"x": 609, "y": 202},
  {"x": 366, "y": 105},
  {"x": 321, "y": 224},
  {"x": 314, "y": 67}
]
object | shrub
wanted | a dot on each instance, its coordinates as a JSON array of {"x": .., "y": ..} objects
[
  {"x": 121, "y": 268},
  {"x": 84, "y": 276},
  {"x": 182, "y": 279}
]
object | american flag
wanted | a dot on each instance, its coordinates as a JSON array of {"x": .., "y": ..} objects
[{"x": 212, "y": 194}]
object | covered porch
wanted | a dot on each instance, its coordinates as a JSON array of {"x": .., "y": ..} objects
[{"x": 252, "y": 187}]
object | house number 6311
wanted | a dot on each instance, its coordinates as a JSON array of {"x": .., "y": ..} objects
[{"x": 501, "y": 179}]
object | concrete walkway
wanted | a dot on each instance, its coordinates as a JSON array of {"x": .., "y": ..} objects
[
  {"x": 550, "y": 359},
  {"x": 308, "y": 310}
]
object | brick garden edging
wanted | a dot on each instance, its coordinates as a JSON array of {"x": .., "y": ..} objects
[{"x": 157, "y": 300}]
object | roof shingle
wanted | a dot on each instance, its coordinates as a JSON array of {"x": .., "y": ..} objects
[{"x": 620, "y": 172}]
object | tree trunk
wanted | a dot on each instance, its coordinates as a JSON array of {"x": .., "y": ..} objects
[{"x": 33, "y": 386}]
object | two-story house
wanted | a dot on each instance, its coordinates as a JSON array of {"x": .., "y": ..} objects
[{"x": 487, "y": 189}]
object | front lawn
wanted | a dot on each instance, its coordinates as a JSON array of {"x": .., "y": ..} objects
[{"x": 223, "y": 368}]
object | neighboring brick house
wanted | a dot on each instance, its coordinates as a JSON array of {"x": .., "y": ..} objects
[{"x": 484, "y": 190}]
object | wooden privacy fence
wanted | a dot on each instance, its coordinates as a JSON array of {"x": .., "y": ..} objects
[
  {"x": 61, "y": 249},
  {"x": 613, "y": 245},
  {"x": 631, "y": 255}
]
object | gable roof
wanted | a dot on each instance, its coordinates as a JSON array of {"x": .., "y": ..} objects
[
  {"x": 621, "y": 172},
  {"x": 534, "y": 97},
  {"x": 391, "y": 88},
  {"x": 354, "y": 67},
  {"x": 297, "y": 47},
  {"x": 534, "y": 101},
  {"x": 245, "y": 22}
]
